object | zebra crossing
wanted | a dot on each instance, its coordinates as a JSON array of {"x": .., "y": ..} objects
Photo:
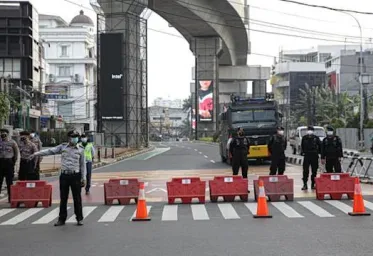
[{"x": 169, "y": 213}]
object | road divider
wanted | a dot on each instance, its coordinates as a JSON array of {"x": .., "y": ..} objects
[
  {"x": 275, "y": 186},
  {"x": 123, "y": 190},
  {"x": 228, "y": 187},
  {"x": 186, "y": 189},
  {"x": 335, "y": 185},
  {"x": 30, "y": 193}
]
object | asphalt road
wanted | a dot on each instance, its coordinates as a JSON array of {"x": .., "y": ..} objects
[{"x": 304, "y": 227}]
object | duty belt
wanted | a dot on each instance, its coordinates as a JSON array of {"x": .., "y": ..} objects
[{"x": 68, "y": 172}]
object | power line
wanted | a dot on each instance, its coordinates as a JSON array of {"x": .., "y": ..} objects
[{"x": 326, "y": 7}]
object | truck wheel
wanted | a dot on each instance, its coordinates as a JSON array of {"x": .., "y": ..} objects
[
  {"x": 294, "y": 151},
  {"x": 223, "y": 159}
]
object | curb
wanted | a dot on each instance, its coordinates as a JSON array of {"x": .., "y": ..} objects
[
  {"x": 294, "y": 160},
  {"x": 205, "y": 142},
  {"x": 101, "y": 164}
]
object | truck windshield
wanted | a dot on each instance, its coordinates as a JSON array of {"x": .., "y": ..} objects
[{"x": 254, "y": 117}]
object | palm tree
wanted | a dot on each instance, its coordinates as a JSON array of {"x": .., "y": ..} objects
[{"x": 187, "y": 107}]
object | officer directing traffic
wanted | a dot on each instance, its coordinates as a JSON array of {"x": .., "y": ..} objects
[
  {"x": 277, "y": 146},
  {"x": 8, "y": 157},
  {"x": 239, "y": 149},
  {"x": 89, "y": 152},
  {"x": 73, "y": 174},
  {"x": 310, "y": 148},
  {"x": 331, "y": 152},
  {"x": 27, "y": 166}
]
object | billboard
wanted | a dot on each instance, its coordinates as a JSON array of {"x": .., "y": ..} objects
[
  {"x": 205, "y": 100},
  {"x": 111, "y": 76}
]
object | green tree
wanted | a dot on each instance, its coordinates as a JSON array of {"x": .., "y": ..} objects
[{"x": 4, "y": 108}]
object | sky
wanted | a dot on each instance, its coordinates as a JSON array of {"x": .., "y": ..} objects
[{"x": 170, "y": 59}]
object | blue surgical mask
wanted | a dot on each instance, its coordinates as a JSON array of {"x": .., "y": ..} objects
[
  {"x": 84, "y": 140},
  {"x": 74, "y": 140}
]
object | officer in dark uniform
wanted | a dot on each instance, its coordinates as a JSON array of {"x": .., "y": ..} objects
[
  {"x": 277, "y": 146},
  {"x": 8, "y": 157},
  {"x": 331, "y": 151},
  {"x": 27, "y": 166},
  {"x": 73, "y": 174},
  {"x": 311, "y": 148},
  {"x": 239, "y": 149}
]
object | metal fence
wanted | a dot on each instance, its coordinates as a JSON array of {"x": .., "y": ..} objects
[{"x": 350, "y": 137}]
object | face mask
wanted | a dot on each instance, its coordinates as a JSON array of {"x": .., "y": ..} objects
[
  {"x": 3, "y": 136},
  {"x": 309, "y": 132},
  {"x": 330, "y": 133},
  {"x": 84, "y": 140},
  {"x": 32, "y": 135},
  {"x": 74, "y": 140},
  {"x": 281, "y": 132}
]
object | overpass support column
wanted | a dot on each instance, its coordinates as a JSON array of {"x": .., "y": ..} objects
[
  {"x": 259, "y": 88},
  {"x": 207, "y": 51}
]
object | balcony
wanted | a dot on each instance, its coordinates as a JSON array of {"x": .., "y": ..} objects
[
  {"x": 282, "y": 84},
  {"x": 283, "y": 101}
]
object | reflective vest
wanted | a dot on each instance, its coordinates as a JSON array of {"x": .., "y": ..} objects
[{"x": 88, "y": 152}]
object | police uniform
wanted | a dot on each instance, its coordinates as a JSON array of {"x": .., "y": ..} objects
[
  {"x": 72, "y": 174},
  {"x": 239, "y": 149},
  {"x": 276, "y": 147},
  {"x": 89, "y": 153},
  {"x": 38, "y": 144},
  {"x": 332, "y": 151},
  {"x": 310, "y": 148},
  {"x": 27, "y": 165},
  {"x": 8, "y": 157}
]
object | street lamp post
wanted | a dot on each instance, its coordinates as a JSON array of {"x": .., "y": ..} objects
[{"x": 361, "y": 82}]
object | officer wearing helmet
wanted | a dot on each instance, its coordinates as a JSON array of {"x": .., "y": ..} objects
[
  {"x": 277, "y": 146},
  {"x": 72, "y": 175},
  {"x": 239, "y": 149},
  {"x": 331, "y": 151},
  {"x": 311, "y": 148}
]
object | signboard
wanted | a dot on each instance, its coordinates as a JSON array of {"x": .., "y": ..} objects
[
  {"x": 56, "y": 97},
  {"x": 205, "y": 100},
  {"x": 56, "y": 89},
  {"x": 112, "y": 78}
]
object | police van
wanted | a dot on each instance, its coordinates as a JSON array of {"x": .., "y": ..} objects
[{"x": 296, "y": 136}]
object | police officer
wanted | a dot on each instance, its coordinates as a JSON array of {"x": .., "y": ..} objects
[
  {"x": 27, "y": 166},
  {"x": 239, "y": 149},
  {"x": 36, "y": 140},
  {"x": 73, "y": 174},
  {"x": 331, "y": 151},
  {"x": 8, "y": 157},
  {"x": 89, "y": 152},
  {"x": 277, "y": 146},
  {"x": 310, "y": 148}
]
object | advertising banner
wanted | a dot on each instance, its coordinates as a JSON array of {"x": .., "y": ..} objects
[{"x": 205, "y": 101}]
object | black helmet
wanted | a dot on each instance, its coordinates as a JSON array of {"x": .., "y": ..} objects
[
  {"x": 3, "y": 130},
  {"x": 330, "y": 128},
  {"x": 73, "y": 134},
  {"x": 310, "y": 128}
]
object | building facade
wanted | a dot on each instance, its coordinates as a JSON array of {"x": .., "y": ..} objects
[
  {"x": 21, "y": 62},
  {"x": 71, "y": 54},
  {"x": 166, "y": 121},
  {"x": 168, "y": 103}
]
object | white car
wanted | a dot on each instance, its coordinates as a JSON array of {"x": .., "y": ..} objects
[{"x": 297, "y": 135}]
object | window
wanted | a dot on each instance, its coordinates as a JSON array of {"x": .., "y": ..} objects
[
  {"x": 65, "y": 109},
  {"x": 64, "y": 71},
  {"x": 64, "y": 50}
]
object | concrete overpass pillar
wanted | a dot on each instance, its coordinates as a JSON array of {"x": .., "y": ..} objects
[
  {"x": 207, "y": 51},
  {"x": 259, "y": 88},
  {"x": 125, "y": 17}
]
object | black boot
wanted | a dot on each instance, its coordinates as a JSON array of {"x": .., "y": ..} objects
[
  {"x": 313, "y": 186},
  {"x": 59, "y": 223},
  {"x": 305, "y": 187}
]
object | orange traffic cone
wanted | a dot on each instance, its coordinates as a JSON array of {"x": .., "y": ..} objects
[
  {"x": 359, "y": 208},
  {"x": 262, "y": 208},
  {"x": 141, "y": 211}
]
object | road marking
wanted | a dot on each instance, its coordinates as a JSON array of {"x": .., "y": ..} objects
[
  {"x": 252, "y": 207},
  {"x": 212, "y": 161},
  {"x": 101, "y": 185},
  {"x": 199, "y": 212},
  {"x": 157, "y": 152},
  {"x": 22, "y": 216},
  {"x": 5, "y": 212},
  {"x": 169, "y": 213},
  {"x": 86, "y": 211},
  {"x": 49, "y": 217},
  {"x": 200, "y": 153},
  {"x": 368, "y": 205},
  {"x": 228, "y": 212},
  {"x": 286, "y": 210},
  {"x": 205, "y": 156},
  {"x": 315, "y": 209},
  {"x": 134, "y": 214},
  {"x": 94, "y": 186},
  {"x": 195, "y": 150},
  {"x": 111, "y": 214},
  {"x": 189, "y": 148},
  {"x": 156, "y": 189},
  {"x": 340, "y": 206}
]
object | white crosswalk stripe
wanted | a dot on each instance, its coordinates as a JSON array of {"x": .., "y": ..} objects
[
  {"x": 209, "y": 211},
  {"x": 199, "y": 212},
  {"x": 286, "y": 210},
  {"x": 86, "y": 211},
  {"x": 22, "y": 216},
  {"x": 169, "y": 213},
  {"x": 111, "y": 214},
  {"x": 315, "y": 209}
]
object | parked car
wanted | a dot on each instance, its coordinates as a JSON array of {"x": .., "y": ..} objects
[{"x": 296, "y": 136}]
